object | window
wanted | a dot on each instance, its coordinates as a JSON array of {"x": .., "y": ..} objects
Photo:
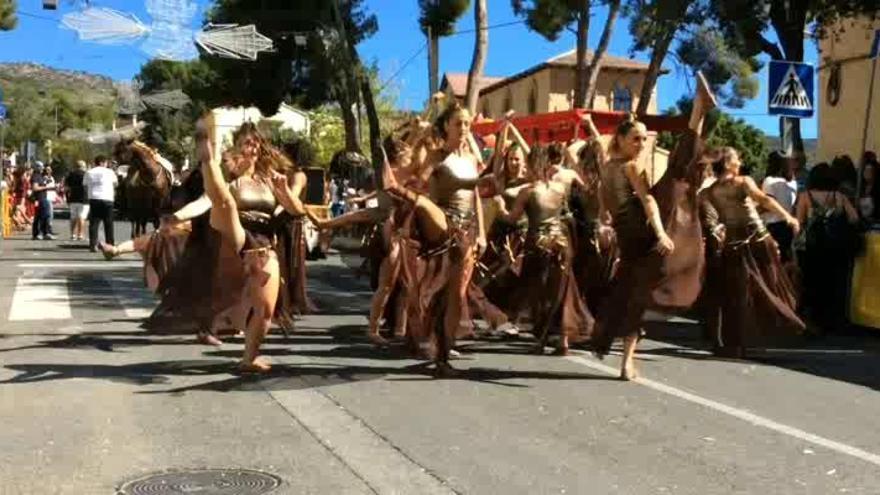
[
  {"x": 622, "y": 99},
  {"x": 533, "y": 100},
  {"x": 508, "y": 102}
]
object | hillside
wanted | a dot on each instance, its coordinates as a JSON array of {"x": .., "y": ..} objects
[
  {"x": 810, "y": 145},
  {"x": 88, "y": 88}
]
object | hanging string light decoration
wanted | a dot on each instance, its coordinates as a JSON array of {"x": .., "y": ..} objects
[{"x": 171, "y": 35}]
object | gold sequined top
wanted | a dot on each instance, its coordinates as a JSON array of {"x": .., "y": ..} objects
[
  {"x": 446, "y": 189},
  {"x": 616, "y": 189},
  {"x": 735, "y": 209},
  {"x": 254, "y": 199}
]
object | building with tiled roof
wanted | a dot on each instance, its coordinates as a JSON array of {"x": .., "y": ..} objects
[{"x": 549, "y": 87}]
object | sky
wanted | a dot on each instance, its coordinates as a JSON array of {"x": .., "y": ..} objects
[{"x": 398, "y": 49}]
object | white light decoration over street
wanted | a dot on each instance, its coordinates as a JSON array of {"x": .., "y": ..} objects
[{"x": 171, "y": 35}]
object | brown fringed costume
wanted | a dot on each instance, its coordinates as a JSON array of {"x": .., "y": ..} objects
[
  {"x": 549, "y": 287},
  {"x": 754, "y": 297},
  {"x": 642, "y": 273}
]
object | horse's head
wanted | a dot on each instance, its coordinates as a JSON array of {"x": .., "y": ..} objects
[{"x": 123, "y": 152}]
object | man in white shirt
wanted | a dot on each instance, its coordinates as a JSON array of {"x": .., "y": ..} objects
[
  {"x": 779, "y": 184},
  {"x": 100, "y": 183}
]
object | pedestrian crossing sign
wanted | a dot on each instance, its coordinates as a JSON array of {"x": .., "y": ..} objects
[{"x": 791, "y": 89}]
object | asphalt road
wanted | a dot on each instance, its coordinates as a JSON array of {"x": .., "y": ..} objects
[{"x": 90, "y": 401}]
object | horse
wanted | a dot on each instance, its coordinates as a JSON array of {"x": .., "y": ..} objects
[{"x": 146, "y": 187}]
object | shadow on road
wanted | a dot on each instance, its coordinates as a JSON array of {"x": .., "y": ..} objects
[{"x": 851, "y": 356}]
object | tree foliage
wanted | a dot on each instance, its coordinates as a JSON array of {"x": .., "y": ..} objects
[
  {"x": 725, "y": 130},
  {"x": 170, "y": 131},
  {"x": 440, "y": 15},
  {"x": 8, "y": 19},
  {"x": 731, "y": 76},
  {"x": 306, "y": 75},
  {"x": 31, "y": 116},
  {"x": 744, "y": 24},
  {"x": 549, "y": 18}
]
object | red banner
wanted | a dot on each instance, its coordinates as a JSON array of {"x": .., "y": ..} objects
[{"x": 560, "y": 126}]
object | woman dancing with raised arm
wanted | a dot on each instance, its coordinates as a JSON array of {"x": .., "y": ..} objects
[
  {"x": 502, "y": 260},
  {"x": 241, "y": 213},
  {"x": 548, "y": 286},
  {"x": 451, "y": 227},
  {"x": 638, "y": 211},
  {"x": 593, "y": 238},
  {"x": 754, "y": 298}
]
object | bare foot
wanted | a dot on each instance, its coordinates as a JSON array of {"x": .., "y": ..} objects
[
  {"x": 108, "y": 250},
  {"x": 628, "y": 373},
  {"x": 704, "y": 102},
  {"x": 444, "y": 370},
  {"x": 561, "y": 351},
  {"x": 206, "y": 338},
  {"x": 258, "y": 365},
  {"x": 377, "y": 340}
]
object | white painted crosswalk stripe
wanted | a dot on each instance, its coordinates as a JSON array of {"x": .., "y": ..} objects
[
  {"x": 40, "y": 297},
  {"x": 45, "y": 294},
  {"x": 135, "y": 300}
]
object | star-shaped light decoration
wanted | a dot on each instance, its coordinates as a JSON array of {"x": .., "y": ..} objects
[{"x": 170, "y": 36}]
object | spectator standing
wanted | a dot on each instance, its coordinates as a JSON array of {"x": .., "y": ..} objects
[
  {"x": 869, "y": 195},
  {"x": 844, "y": 173},
  {"x": 826, "y": 247},
  {"x": 74, "y": 185},
  {"x": 100, "y": 184},
  {"x": 51, "y": 197},
  {"x": 40, "y": 195},
  {"x": 780, "y": 185}
]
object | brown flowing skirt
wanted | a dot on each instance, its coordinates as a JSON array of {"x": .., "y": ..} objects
[
  {"x": 440, "y": 273},
  {"x": 642, "y": 277},
  {"x": 756, "y": 300},
  {"x": 501, "y": 266},
  {"x": 206, "y": 281},
  {"x": 594, "y": 264},
  {"x": 164, "y": 250},
  {"x": 291, "y": 249},
  {"x": 550, "y": 289}
]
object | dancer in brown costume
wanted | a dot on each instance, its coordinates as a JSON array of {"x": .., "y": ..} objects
[
  {"x": 501, "y": 264},
  {"x": 241, "y": 212},
  {"x": 638, "y": 211},
  {"x": 392, "y": 223},
  {"x": 450, "y": 225},
  {"x": 549, "y": 287},
  {"x": 593, "y": 238},
  {"x": 755, "y": 297}
]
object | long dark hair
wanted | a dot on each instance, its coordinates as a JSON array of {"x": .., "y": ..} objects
[
  {"x": 623, "y": 129},
  {"x": 539, "y": 161},
  {"x": 722, "y": 157},
  {"x": 269, "y": 158},
  {"x": 821, "y": 178},
  {"x": 446, "y": 115},
  {"x": 778, "y": 166}
]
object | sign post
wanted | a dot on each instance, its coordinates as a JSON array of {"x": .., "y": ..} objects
[{"x": 791, "y": 96}]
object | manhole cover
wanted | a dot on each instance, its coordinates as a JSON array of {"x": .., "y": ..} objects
[{"x": 204, "y": 482}]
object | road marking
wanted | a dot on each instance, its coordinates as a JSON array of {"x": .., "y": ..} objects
[
  {"x": 384, "y": 468},
  {"x": 40, "y": 298},
  {"x": 99, "y": 265},
  {"x": 811, "y": 351},
  {"x": 740, "y": 414},
  {"x": 135, "y": 300}
]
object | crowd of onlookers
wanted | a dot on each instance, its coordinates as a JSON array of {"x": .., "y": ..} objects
[
  {"x": 835, "y": 207},
  {"x": 33, "y": 191}
]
